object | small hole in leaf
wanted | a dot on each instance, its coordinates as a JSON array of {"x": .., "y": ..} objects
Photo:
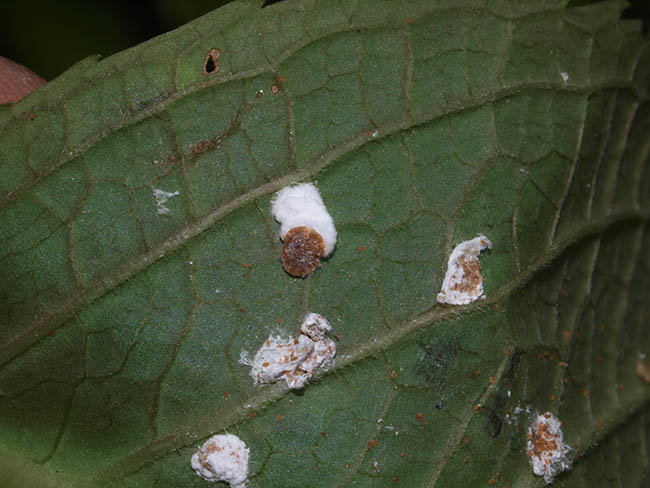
[
  {"x": 270, "y": 2},
  {"x": 211, "y": 64}
]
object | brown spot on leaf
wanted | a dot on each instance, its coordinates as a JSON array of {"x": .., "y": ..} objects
[
  {"x": 302, "y": 250},
  {"x": 419, "y": 417},
  {"x": 643, "y": 370},
  {"x": 211, "y": 64},
  {"x": 279, "y": 418}
]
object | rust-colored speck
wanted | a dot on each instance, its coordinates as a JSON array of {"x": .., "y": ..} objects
[
  {"x": 226, "y": 395},
  {"x": 31, "y": 116},
  {"x": 246, "y": 265},
  {"x": 466, "y": 459},
  {"x": 282, "y": 79},
  {"x": 410, "y": 21},
  {"x": 243, "y": 310},
  {"x": 361, "y": 248},
  {"x": 252, "y": 415},
  {"x": 419, "y": 417},
  {"x": 601, "y": 424},
  {"x": 621, "y": 387},
  {"x": 585, "y": 393},
  {"x": 302, "y": 250},
  {"x": 324, "y": 434},
  {"x": 476, "y": 408},
  {"x": 50, "y": 333},
  {"x": 371, "y": 443},
  {"x": 552, "y": 397},
  {"x": 507, "y": 351},
  {"x": 279, "y": 418},
  {"x": 402, "y": 454},
  {"x": 565, "y": 293},
  {"x": 562, "y": 364},
  {"x": 491, "y": 380},
  {"x": 393, "y": 375},
  {"x": 566, "y": 334},
  {"x": 495, "y": 307},
  {"x": 643, "y": 370},
  {"x": 491, "y": 481},
  {"x": 211, "y": 64},
  {"x": 394, "y": 479}
]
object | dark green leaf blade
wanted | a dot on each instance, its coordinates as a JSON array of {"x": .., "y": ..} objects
[{"x": 124, "y": 312}]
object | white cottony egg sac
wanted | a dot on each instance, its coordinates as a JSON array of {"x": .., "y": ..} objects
[
  {"x": 463, "y": 281},
  {"x": 546, "y": 448},
  {"x": 295, "y": 359},
  {"x": 306, "y": 228},
  {"x": 222, "y": 458}
]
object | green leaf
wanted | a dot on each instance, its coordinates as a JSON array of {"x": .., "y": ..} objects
[{"x": 423, "y": 123}]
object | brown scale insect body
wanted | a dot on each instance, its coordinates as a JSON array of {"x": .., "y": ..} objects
[{"x": 302, "y": 250}]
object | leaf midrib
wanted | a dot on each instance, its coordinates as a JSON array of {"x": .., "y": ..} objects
[
  {"x": 100, "y": 287},
  {"x": 225, "y": 418}
]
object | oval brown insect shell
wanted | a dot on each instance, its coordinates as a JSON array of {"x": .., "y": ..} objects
[{"x": 302, "y": 250}]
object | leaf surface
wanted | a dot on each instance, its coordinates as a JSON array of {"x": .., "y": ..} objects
[{"x": 123, "y": 314}]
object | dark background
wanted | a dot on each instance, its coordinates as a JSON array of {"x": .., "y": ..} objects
[{"x": 48, "y": 36}]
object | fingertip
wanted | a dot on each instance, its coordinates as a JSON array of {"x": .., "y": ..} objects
[{"x": 16, "y": 81}]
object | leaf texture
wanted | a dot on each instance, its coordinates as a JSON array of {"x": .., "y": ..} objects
[{"x": 123, "y": 315}]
